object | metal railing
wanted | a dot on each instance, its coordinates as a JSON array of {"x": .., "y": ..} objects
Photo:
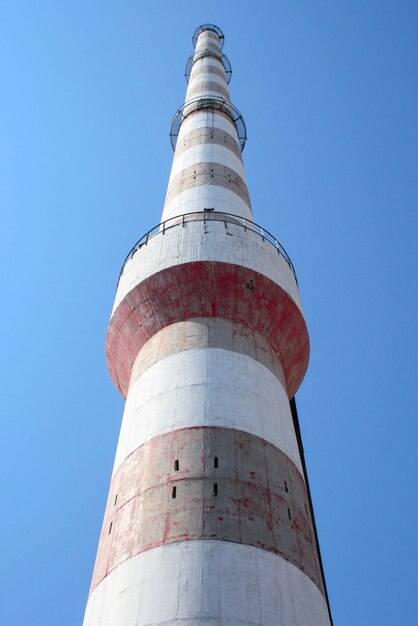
[{"x": 209, "y": 215}]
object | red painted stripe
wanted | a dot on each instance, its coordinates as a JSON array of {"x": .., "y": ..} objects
[
  {"x": 208, "y": 289},
  {"x": 260, "y": 499}
]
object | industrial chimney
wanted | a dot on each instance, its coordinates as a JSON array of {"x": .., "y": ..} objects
[{"x": 209, "y": 519}]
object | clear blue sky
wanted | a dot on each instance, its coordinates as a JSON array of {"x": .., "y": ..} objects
[{"x": 329, "y": 93}]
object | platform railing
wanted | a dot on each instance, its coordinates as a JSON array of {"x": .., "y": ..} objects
[{"x": 209, "y": 215}]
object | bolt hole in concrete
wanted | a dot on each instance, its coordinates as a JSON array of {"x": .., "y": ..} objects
[
  {"x": 116, "y": 499},
  {"x": 215, "y": 489},
  {"x": 215, "y": 462},
  {"x": 288, "y": 514},
  {"x": 286, "y": 487},
  {"x": 110, "y": 527},
  {"x": 174, "y": 492},
  {"x": 176, "y": 465}
]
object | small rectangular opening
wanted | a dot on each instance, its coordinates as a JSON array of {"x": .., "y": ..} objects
[
  {"x": 215, "y": 462},
  {"x": 110, "y": 527},
  {"x": 174, "y": 492},
  {"x": 285, "y": 487},
  {"x": 215, "y": 489},
  {"x": 288, "y": 514},
  {"x": 176, "y": 465},
  {"x": 116, "y": 499}
]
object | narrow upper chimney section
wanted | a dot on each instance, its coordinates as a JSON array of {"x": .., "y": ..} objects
[{"x": 208, "y": 135}]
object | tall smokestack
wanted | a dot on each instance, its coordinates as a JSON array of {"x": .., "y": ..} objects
[{"x": 208, "y": 519}]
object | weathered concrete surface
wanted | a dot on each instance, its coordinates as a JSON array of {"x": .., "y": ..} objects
[
  {"x": 229, "y": 486},
  {"x": 205, "y": 167},
  {"x": 208, "y": 174},
  {"x": 207, "y": 119},
  {"x": 208, "y": 136},
  {"x": 207, "y": 387},
  {"x": 208, "y": 69},
  {"x": 207, "y": 520},
  {"x": 207, "y": 88},
  {"x": 198, "y": 165},
  {"x": 206, "y": 153},
  {"x": 208, "y": 66},
  {"x": 208, "y": 39},
  {"x": 206, "y": 333},
  {"x": 206, "y": 583},
  {"x": 207, "y": 289},
  {"x": 207, "y": 241},
  {"x": 210, "y": 194},
  {"x": 195, "y": 199}
]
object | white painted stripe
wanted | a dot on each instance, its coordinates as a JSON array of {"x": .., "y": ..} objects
[
  {"x": 211, "y": 583},
  {"x": 207, "y": 196},
  {"x": 207, "y": 153},
  {"x": 207, "y": 119},
  {"x": 207, "y": 387},
  {"x": 195, "y": 242}
]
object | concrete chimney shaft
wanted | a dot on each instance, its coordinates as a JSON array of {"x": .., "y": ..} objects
[{"x": 208, "y": 519}]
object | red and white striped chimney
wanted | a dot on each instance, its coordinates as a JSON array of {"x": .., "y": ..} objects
[{"x": 208, "y": 519}]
